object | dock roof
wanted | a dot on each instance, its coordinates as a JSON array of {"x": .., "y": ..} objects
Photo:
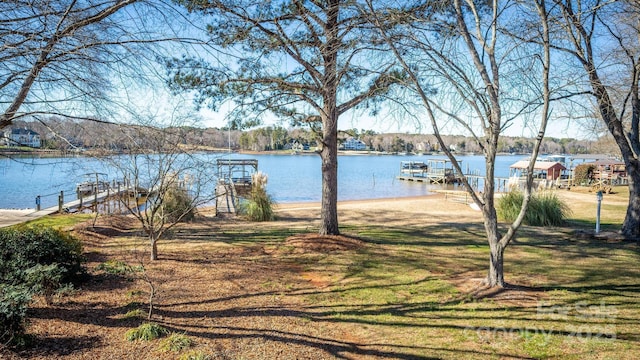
[
  {"x": 608, "y": 162},
  {"x": 594, "y": 157},
  {"x": 539, "y": 165}
]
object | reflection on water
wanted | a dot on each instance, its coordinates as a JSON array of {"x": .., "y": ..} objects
[{"x": 290, "y": 178}]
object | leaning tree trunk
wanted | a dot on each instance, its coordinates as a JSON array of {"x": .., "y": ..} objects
[{"x": 631, "y": 225}]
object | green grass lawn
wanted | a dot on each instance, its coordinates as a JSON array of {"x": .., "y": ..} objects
[
  {"x": 61, "y": 221},
  {"x": 575, "y": 297}
]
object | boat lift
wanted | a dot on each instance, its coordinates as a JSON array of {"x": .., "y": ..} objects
[
  {"x": 435, "y": 171},
  {"x": 235, "y": 178}
]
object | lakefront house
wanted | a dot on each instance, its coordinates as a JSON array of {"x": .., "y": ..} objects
[
  {"x": 354, "y": 144},
  {"x": 22, "y": 137}
]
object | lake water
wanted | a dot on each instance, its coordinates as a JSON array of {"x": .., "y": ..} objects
[{"x": 290, "y": 178}]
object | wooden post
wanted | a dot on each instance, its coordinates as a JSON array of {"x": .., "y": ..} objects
[
  {"x": 60, "y": 201},
  {"x": 38, "y": 203},
  {"x": 95, "y": 200}
]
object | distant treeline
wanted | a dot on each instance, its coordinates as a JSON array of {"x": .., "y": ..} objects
[{"x": 72, "y": 135}]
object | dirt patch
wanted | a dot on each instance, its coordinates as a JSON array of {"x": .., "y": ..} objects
[
  {"x": 304, "y": 243},
  {"x": 110, "y": 226},
  {"x": 476, "y": 288},
  {"x": 605, "y": 236},
  {"x": 317, "y": 280}
]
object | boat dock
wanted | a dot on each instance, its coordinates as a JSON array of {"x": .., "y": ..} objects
[
  {"x": 235, "y": 178},
  {"x": 434, "y": 171},
  {"x": 441, "y": 172},
  {"x": 82, "y": 202}
]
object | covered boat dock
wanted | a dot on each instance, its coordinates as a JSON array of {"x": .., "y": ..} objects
[{"x": 434, "y": 171}]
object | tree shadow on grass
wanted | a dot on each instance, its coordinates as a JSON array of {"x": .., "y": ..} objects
[
  {"x": 53, "y": 347},
  {"x": 432, "y": 235},
  {"x": 340, "y": 349}
]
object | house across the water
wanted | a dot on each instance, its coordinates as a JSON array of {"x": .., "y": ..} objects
[
  {"x": 22, "y": 137},
  {"x": 354, "y": 144}
]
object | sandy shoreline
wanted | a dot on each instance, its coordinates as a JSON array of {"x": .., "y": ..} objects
[
  {"x": 364, "y": 202},
  {"x": 15, "y": 212},
  {"x": 397, "y": 210},
  {"x": 10, "y": 217},
  {"x": 397, "y": 205}
]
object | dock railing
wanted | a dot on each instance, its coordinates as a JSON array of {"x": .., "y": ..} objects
[{"x": 82, "y": 201}]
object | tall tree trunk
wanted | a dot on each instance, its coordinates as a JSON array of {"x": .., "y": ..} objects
[
  {"x": 495, "y": 277},
  {"x": 329, "y": 155},
  {"x": 627, "y": 143},
  {"x": 631, "y": 226}
]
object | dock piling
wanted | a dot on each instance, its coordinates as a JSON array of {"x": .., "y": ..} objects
[{"x": 60, "y": 201}]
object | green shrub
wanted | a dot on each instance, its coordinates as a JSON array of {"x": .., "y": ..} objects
[
  {"x": 178, "y": 205},
  {"x": 508, "y": 206},
  {"x": 176, "y": 342},
  {"x": 23, "y": 247},
  {"x": 146, "y": 332},
  {"x": 34, "y": 260},
  {"x": 545, "y": 208},
  {"x": 14, "y": 301},
  {"x": 44, "y": 280}
]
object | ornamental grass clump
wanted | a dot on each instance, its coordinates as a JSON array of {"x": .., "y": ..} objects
[
  {"x": 135, "y": 314},
  {"x": 176, "y": 342},
  {"x": 146, "y": 332},
  {"x": 178, "y": 205},
  {"x": 259, "y": 206},
  {"x": 545, "y": 208}
]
